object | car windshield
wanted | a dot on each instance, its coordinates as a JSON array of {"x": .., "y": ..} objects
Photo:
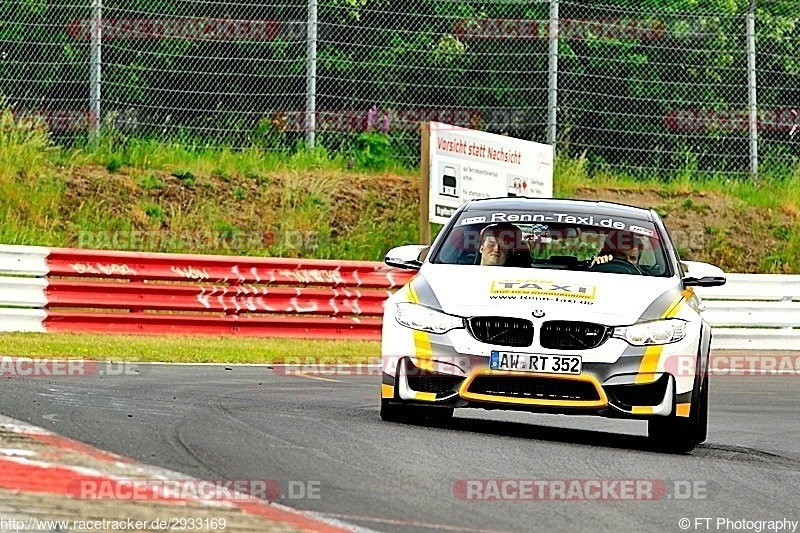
[{"x": 548, "y": 240}]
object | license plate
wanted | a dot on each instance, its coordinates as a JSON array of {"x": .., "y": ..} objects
[{"x": 528, "y": 362}]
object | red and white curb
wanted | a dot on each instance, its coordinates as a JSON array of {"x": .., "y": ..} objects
[{"x": 28, "y": 471}]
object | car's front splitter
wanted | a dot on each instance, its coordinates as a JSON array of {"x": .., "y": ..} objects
[{"x": 445, "y": 383}]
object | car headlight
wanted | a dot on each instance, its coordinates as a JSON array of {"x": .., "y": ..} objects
[
  {"x": 650, "y": 333},
  {"x": 423, "y": 318}
]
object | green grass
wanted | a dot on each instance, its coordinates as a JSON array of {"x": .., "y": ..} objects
[
  {"x": 314, "y": 203},
  {"x": 151, "y": 186},
  {"x": 25, "y": 146},
  {"x": 195, "y": 349},
  {"x": 115, "y": 152},
  {"x": 775, "y": 197},
  {"x": 351, "y": 205},
  {"x": 770, "y": 191}
]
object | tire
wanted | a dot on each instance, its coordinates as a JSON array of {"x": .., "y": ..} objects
[
  {"x": 437, "y": 415},
  {"x": 412, "y": 414},
  {"x": 392, "y": 412},
  {"x": 672, "y": 434},
  {"x": 702, "y": 422},
  {"x": 679, "y": 434}
]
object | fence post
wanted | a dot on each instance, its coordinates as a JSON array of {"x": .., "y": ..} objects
[
  {"x": 751, "y": 93},
  {"x": 95, "y": 71},
  {"x": 552, "y": 78},
  {"x": 311, "y": 74}
]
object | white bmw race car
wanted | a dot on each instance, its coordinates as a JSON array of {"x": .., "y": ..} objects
[{"x": 554, "y": 306}]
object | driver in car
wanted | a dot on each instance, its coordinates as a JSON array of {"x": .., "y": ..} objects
[
  {"x": 502, "y": 245},
  {"x": 629, "y": 251}
]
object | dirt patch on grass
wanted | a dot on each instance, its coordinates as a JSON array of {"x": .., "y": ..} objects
[
  {"x": 349, "y": 209},
  {"x": 708, "y": 226},
  {"x": 335, "y": 207}
]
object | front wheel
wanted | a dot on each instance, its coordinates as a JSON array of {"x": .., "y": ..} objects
[
  {"x": 413, "y": 414},
  {"x": 393, "y": 412},
  {"x": 672, "y": 434},
  {"x": 680, "y": 434}
]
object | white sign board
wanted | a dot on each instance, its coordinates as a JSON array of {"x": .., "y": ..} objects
[{"x": 467, "y": 164}]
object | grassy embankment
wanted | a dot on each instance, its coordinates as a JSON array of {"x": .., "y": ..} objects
[{"x": 314, "y": 204}]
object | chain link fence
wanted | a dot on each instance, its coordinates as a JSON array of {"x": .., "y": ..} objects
[{"x": 644, "y": 87}]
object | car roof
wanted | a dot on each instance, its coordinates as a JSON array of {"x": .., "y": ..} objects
[{"x": 549, "y": 204}]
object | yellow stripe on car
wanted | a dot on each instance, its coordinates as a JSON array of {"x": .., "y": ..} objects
[
  {"x": 411, "y": 294},
  {"x": 425, "y": 396},
  {"x": 652, "y": 354},
  {"x": 422, "y": 343},
  {"x": 425, "y": 364},
  {"x": 649, "y": 364}
]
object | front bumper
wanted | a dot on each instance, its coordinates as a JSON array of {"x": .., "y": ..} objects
[{"x": 468, "y": 382}]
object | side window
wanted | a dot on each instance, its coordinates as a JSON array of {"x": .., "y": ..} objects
[
  {"x": 647, "y": 257},
  {"x": 681, "y": 271},
  {"x": 668, "y": 246},
  {"x": 460, "y": 247}
]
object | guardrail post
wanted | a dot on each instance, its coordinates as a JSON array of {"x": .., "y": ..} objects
[
  {"x": 95, "y": 72},
  {"x": 751, "y": 93},
  {"x": 311, "y": 75},
  {"x": 552, "y": 78}
]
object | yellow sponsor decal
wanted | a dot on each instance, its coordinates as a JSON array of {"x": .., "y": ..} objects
[{"x": 543, "y": 288}]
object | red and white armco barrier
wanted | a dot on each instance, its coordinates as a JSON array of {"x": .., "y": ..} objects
[{"x": 59, "y": 289}]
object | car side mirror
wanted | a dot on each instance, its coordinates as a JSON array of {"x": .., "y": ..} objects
[
  {"x": 705, "y": 281},
  {"x": 409, "y": 257},
  {"x": 700, "y": 274},
  {"x": 698, "y": 269}
]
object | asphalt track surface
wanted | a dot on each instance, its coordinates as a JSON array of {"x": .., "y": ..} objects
[{"x": 238, "y": 422}]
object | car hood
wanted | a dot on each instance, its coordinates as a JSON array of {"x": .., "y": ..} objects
[{"x": 613, "y": 299}]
